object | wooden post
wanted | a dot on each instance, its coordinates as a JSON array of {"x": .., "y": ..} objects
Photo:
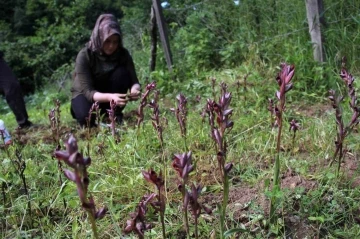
[
  {"x": 153, "y": 36},
  {"x": 163, "y": 32},
  {"x": 313, "y": 8}
]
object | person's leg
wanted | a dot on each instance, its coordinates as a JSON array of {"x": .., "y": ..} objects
[
  {"x": 80, "y": 108},
  {"x": 14, "y": 97},
  {"x": 119, "y": 81}
]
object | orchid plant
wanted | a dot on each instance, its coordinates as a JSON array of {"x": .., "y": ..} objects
[
  {"x": 283, "y": 79},
  {"x": 183, "y": 166},
  {"x": 54, "y": 118},
  {"x": 160, "y": 205},
  {"x": 191, "y": 198},
  {"x": 137, "y": 223},
  {"x": 294, "y": 127},
  {"x": 156, "y": 121},
  {"x": 94, "y": 109},
  {"x": 112, "y": 118},
  {"x": 143, "y": 102},
  {"x": 181, "y": 115},
  {"x": 79, "y": 176},
  {"x": 342, "y": 130},
  {"x": 221, "y": 113}
]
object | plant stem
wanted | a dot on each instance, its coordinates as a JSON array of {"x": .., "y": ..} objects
[
  {"x": 93, "y": 224},
  {"x": 196, "y": 227},
  {"x": 165, "y": 168},
  {"x": 162, "y": 218},
  {"x": 185, "y": 144},
  {"x": 224, "y": 203},
  {"x": 185, "y": 219},
  {"x": 186, "y": 223},
  {"x": 276, "y": 185},
  {"x": 28, "y": 195},
  {"x": 340, "y": 159},
  {"x": 3, "y": 186}
]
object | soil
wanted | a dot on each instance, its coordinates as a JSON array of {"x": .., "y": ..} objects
[
  {"x": 246, "y": 201},
  {"x": 316, "y": 110},
  {"x": 350, "y": 169}
]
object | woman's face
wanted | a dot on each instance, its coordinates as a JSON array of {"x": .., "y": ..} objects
[{"x": 111, "y": 44}]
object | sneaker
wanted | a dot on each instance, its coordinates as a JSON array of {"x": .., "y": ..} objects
[{"x": 26, "y": 125}]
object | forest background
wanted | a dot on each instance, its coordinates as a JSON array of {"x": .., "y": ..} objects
[{"x": 41, "y": 38}]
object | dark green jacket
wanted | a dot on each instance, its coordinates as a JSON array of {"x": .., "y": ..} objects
[{"x": 90, "y": 67}]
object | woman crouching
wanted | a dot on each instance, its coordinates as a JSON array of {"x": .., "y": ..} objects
[{"x": 104, "y": 71}]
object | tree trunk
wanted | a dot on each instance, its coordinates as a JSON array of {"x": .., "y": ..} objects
[{"x": 314, "y": 10}]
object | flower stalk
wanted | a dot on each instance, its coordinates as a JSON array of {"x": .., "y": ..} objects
[
  {"x": 112, "y": 118},
  {"x": 191, "y": 198},
  {"x": 344, "y": 130},
  {"x": 79, "y": 176},
  {"x": 181, "y": 115},
  {"x": 137, "y": 223},
  {"x": 143, "y": 102},
  {"x": 160, "y": 205},
  {"x": 222, "y": 113},
  {"x": 183, "y": 166},
  {"x": 283, "y": 79}
]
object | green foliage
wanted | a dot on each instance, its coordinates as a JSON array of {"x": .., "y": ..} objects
[
  {"x": 49, "y": 35},
  {"x": 40, "y": 36}
]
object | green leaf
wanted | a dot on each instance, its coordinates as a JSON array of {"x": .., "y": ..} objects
[
  {"x": 2, "y": 179},
  {"x": 235, "y": 230},
  {"x": 320, "y": 219}
]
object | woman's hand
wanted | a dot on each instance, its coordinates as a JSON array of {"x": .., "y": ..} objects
[
  {"x": 135, "y": 92},
  {"x": 119, "y": 99}
]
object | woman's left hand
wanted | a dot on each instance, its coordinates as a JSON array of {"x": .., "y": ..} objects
[{"x": 135, "y": 92}]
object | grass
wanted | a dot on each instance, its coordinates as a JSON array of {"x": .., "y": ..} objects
[{"x": 313, "y": 201}]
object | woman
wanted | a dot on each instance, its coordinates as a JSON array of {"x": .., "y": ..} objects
[{"x": 104, "y": 71}]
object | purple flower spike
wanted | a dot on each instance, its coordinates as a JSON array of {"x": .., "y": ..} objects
[
  {"x": 61, "y": 155},
  {"x": 294, "y": 126},
  {"x": 137, "y": 222},
  {"x": 182, "y": 164},
  {"x": 101, "y": 213},
  {"x": 196, "y": 206},
  {"x": 143, "y": 102},
  {"x": 71, "y": 145},
  {"x": 228, "y": 167},
  {"x": 79, "y": 176},
  {"x": 152, "y": 177},
  {"x": 70, "y": 175},
  {"x": 181, "y": 113}
]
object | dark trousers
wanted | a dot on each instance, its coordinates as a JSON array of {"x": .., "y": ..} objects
[
  {"x": 118, "y": 82},
  {"x": 10, "y": 86}
]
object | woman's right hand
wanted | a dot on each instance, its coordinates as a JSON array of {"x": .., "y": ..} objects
[{"x": 119, "y": 99}]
